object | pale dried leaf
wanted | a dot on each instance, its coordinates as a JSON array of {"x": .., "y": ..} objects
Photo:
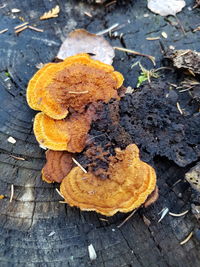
[
  {"x": 92, "y": 252},
  {"x": 193, "y": 177},
  {"x": 81, "y": 41},
  {"x": 15, "y": 10},
  {"x": 53, "y": 13},
  {"x": 11, "y": 140},
  {"x": 166, "y": 7}
]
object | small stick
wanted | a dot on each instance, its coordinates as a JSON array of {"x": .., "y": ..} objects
[
  {"x": 18, "y": 158},
  {"x": 63, "y": 202},
  {"x": 153, "y": 38},
  {"x": 21, "y": 25},
  {"x": 177, "y": 182},
  {"x": 114, "y": 26},
  {"x": 127, "y": 218},
  {"x": 179, "y": 108},
  {"x": 73, "y": 92},
  {"x": 2, "y": 31},
  {"x": 88, "y": 14},
  {"x": 11, "y": 193},
  {"x": 59, "y": 193},
  {"x": 178, "y": 214},
  {"x": 35, "y": 29},
  {"x": 21, "y": 29},
  {"x": 136, "y": 53},
  {"x": 79, "y": 165},
  {"x": 111, "y": 3},
  {"x": 187, "y": 239},
  {"x": 102, "y": 219},
  {"x": 179, "y": 22}
]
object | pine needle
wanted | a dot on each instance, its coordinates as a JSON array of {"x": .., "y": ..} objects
[
  {"x": 178, "y": 214},
  {"x": 12, "y": 192},
  {"x": 136, "y": 53},
  {"x": 53, "y": 13},
  {"x": 187, "y": 239}
]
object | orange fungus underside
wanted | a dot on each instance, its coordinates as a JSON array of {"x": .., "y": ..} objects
[
  {"x": 73, "y": 83},
  {"x": 68, "y": 134},
  {"x": 129, "y": 184}
]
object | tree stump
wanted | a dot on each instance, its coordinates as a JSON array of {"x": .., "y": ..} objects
[{"x": 37, "y": 230}]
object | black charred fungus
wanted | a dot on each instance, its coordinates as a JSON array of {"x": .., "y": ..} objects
[{"x": 150, "y": 115}]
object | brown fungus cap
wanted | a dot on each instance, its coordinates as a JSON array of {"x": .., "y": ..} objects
[
  {"x": 59, "y": 164},
  {"x": 73, "y": 83},
  {"x": 68, "y": 134},
  {"x": 128, "y": 186}
]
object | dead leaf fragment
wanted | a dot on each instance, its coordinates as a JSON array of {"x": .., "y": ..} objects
[
  {"x": 15, "y": 10},
  {"x": 193, "y": 177},
  {"x": 166, "y": 7},
  {"x": 82, "y": 41},
  {"x": 2, "y": 196},
  {"x": 53, "y": 13}
]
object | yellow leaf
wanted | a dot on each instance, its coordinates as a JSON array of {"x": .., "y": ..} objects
[
  {"x": 53, "y": 13},
  {"x": 1, "y": 196}
]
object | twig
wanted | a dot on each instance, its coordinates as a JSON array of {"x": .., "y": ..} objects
[
  {"x": 59, "y": 193},
  {"x": 179, "y": 22},
  {"x": 21, "y": 29},
  {"x": 73, "y": 92},
  {"x": 136, "y": 53},
  {"x": 153, "y": 38},
  {"x": 127, "y": 218},
  {"x": 79, "y": 165},
  {"x": 2, "y": 31},
  {"x": 21, "y": 25},
  {"x": 88, "y": 14},
  {"x": 179, "y": 108},
  {"x": 35, "y": 29},
  {"x": 11, "y": 193},
  {"x": 18, "y": 158},
  {"x": 111, "y": 28},
  {"x": 187, "y": 239},
  {"x": 178, "y": 214}
]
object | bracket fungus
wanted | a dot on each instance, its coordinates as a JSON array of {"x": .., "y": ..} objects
[
  {"x": 68, "y": 134},
  {"x": 129, "y": 184},
  {"x": 73, "y": 83},
  {"x": 59, "y": 164}
]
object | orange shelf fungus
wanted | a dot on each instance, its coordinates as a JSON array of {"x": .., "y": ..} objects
[
  {"x": 68, "y": 134},
  {"x": 129, "y": 184},
  {"x": 59, "y": 164},
  {"x": 73, "y": 83}
]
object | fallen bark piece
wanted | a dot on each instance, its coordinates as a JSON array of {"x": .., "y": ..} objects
[
  {"x": 193, "y": 177},
  {"x": 82, "y": 41},
  {"x": 73, "y": 83},
  {"x": 166, "y": 7},
  {"x": 186, "y": 59},
  {"x": 129, "y": 184},
  {"x": 59, "y": 164}
]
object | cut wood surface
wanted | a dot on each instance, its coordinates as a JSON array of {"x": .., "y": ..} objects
[{"x": 37, "y": 230}]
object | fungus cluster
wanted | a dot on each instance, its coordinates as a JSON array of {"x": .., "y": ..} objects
[{"x": 70, "y": 96}]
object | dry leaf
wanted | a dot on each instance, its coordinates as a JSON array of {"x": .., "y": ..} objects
[
  {"x": 166, "y": 7},
  {"x": 81, "y": 41},
  {"x": 53, "y": 13},
  {"x": 193, "y": 177},
  {"x": 1, "y": 196}
]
